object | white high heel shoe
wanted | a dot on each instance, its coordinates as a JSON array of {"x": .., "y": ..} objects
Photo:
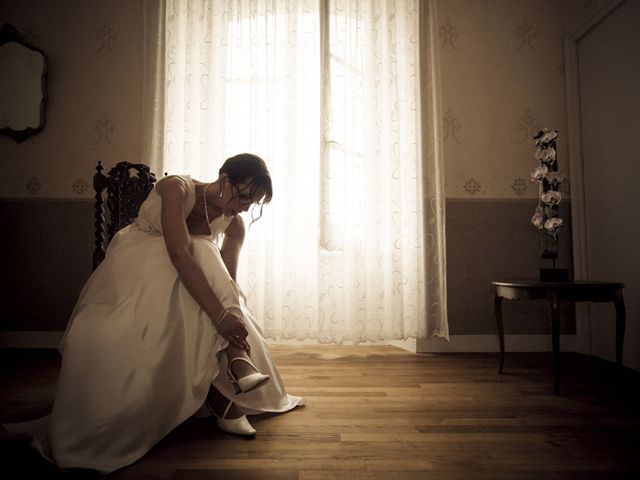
[
  {"x": 237, "y": 426},
  {"x": 248, "y": 382}
]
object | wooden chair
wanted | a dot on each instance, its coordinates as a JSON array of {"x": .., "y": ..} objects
[{"x": 127, "y": 185}]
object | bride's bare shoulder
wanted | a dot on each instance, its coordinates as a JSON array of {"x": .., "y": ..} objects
[{"x": 174, "y": 184}]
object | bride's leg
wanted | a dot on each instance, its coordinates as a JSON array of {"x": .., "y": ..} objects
[
  {"x": 229, "y": 418},
  {"x": 239, "y": 369},
  {"x": 217, "y": 404},
  {"x": 242, "y": 372}
]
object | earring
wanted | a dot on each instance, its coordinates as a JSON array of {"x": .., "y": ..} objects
[{"x": 220, "y": 190}]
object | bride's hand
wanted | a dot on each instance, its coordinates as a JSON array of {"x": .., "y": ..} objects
[{"x": 233, "y": 329}]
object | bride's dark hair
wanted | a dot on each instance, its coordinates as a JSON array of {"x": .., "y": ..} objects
[{"x": 247, "y": 167}]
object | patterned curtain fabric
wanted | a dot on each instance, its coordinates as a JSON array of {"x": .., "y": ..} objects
[{"x": 328, "y": 92}]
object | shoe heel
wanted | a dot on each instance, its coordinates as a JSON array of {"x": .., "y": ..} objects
[{"x": 248, "y": 382}]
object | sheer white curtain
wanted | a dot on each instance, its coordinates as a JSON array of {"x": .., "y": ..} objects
[{"x": 329, "y": 94}]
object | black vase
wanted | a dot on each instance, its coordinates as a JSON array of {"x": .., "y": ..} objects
[
  {"x": 548, "y": 246},
  {"x": 549, "y": 254}
]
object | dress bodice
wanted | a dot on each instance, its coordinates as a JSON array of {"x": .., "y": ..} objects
[{"x": 149, "y": 216}]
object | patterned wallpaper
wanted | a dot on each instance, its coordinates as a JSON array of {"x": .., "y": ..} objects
[
  {"x": 502, "y": 79},
  {"x": 94, "y": 109},
  {"x": 502, "y": 73}
]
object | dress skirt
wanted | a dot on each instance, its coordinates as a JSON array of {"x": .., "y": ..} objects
[{"x": 139, "y": 356}]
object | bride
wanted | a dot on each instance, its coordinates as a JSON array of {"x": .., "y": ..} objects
[{"x": 161, "y": 330}]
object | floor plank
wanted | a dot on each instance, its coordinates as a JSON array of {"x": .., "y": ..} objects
[{"x": 377, "y": 412}]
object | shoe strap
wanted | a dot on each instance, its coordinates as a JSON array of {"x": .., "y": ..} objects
[
  {"x": 213, "y": 410},
  {"x": 226, "y": 410}
]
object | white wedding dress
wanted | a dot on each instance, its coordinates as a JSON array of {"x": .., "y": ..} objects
[{"x": 139, "y": 353}]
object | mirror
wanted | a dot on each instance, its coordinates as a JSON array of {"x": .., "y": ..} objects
[{"x": 23, "y": 94}]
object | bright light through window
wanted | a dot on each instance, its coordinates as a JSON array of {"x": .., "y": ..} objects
[{"x": 257, "y": 78}]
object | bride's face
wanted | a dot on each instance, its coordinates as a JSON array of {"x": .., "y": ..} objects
[{"x": 241, "y": 197}]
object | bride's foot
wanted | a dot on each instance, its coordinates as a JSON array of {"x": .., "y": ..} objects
[
  {"x": 238, "y": 426},
  {"x": 228, "y": 416},
  {"x": 244, "y": 375}
]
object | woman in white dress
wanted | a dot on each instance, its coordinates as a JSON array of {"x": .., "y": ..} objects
[{"x": 161, "y": 331}]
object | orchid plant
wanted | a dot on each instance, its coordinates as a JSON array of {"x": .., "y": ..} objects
[{"x": 546, "y": 216}]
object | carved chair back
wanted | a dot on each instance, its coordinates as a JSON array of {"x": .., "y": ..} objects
[{"x": 126, "y": 186}]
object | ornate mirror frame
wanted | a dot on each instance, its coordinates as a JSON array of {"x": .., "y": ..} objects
[{"x": 9, "y": 34}]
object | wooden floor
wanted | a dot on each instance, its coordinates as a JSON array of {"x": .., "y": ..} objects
[{"x": 382, "y": 413}]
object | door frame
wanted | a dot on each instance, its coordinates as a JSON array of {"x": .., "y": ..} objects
[{"x": 576, "y": 171}]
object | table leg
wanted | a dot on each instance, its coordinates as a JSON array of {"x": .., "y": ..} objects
[
  {"x": 555, "y": 340},
  {"x": 620, "y": 326},
  {"x": 498, "y": 309}
]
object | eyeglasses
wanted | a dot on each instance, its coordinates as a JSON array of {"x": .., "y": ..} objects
[
  {"x": 247, "y": 199},
  {"x": 243, "y": 198}
]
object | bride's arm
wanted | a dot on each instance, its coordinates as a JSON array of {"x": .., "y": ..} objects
[
  {"x": 176, "y": 236},
  {"x": 232, "y": 244}
]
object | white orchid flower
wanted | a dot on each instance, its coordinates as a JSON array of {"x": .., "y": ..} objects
[
  {"x": 545, "y": 135},
  {"x": 552, "y": 197},
  {"x": 539, "y": 173},
  {"x": 546, "y": 155},
  {"x": 553, "y": 225},
  {"x": 549, "y": 136},
  {"x": 538, "y": 218}
]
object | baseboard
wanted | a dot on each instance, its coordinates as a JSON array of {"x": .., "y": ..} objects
[
  {"x": 30, "y": 339},
  {"x": 458, "y": 343}
]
